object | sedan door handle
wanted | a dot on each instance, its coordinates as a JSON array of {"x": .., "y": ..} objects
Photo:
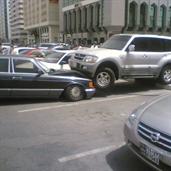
[
  {"x": 144, "y": 56},
  {"x": 17, "y": 78}
]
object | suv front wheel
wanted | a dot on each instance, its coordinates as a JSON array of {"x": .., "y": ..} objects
[
  {"x": 104, "y": 78},
  {"x": 165, "y": 75}
]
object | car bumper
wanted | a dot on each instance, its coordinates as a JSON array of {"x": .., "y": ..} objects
[
  {"x": 133, "y": 142},
  {"x": 86, "y": 68},
  {"x": 90, "y": 92}
]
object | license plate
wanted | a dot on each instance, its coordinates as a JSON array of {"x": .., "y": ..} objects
[{"x": 150, "y": 153}]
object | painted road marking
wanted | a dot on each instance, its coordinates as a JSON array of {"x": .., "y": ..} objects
[
  {"x": 88, "y": 153},
  {"x": 83, "y": 102},
  {"x": 75, "y": 104}
]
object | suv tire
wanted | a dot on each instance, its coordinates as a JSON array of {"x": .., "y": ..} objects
[
  {"x": 104, "y": 78},
  {"x": 165, "y": 75}
]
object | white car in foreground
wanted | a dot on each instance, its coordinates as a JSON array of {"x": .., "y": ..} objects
[
  {"x": 58, "y": 60},
  {"x": 148, "y": 132}
]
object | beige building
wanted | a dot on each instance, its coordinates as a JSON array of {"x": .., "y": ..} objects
[
  {"x": 41, "y": 20},
  {"x": 18, "y": 34},
  {"x": 83, "y": 21}
]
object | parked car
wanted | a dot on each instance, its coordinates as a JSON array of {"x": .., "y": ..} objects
[
  {"x": 7, "y": 45},
  {"x": 18, "y": 50},
  {"x": 148, "y": 132},
  {"x": 26, "y": 77},
  {"x": 45, "y": 45},
  {"x": 39, "y": 54},
  {"x": 59, "y": 59},
  {"x": 125, "y": 56},
  {"x": 59, "y": 47}
]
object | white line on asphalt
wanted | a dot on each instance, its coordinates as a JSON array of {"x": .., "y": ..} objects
[
  {"x": 81, "y": 102},
  {"x": 88, "y": 153},
  {"x": 74, "y": 104}
]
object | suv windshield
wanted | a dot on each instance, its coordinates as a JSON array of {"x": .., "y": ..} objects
[{"x": 117, "y": 42}]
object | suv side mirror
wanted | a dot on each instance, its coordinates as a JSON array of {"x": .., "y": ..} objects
[{"x": 131, "y": 48}]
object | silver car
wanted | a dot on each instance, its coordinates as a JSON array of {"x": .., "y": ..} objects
[{"x": 148, "y": 132}]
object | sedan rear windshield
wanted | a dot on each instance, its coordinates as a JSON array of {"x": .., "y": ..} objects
[{"x": 117, "y": 42}]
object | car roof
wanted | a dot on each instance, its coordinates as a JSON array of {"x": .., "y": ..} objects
[
  {"x": 17, "y": 56},
  {"x": 144, "y": 35},
  {"x": 24, "y": 48},
  {"x": 65, "y": 51}
]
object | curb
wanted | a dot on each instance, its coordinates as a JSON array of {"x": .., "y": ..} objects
[{"x": 168, "y": 86}]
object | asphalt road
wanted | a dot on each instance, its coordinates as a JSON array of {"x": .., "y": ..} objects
[{"x": 56, "y": 135}]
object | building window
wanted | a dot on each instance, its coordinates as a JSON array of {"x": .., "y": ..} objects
[
  {"x": 85, "y": 22},
  {"x": 132, "y": 15},
  {"x": 152, "y": 16},
  {"x": 161, "y": 17},
  {"x": 142, "y": 15},
  {"x": 92, "y": 12},
  {"x": 169, "y": 18},
  {"x": 99, "y": 16}
]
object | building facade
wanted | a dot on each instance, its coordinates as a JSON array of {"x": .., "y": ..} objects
[
  {"x": 41, "y": 20},
  {"x": 83, "y": 22},
  {"x": 18, "y": 34},
  {"x": 4, "y": 20}
]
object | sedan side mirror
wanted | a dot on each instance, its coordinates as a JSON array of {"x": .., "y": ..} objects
[{"x": 40, "y": 72}]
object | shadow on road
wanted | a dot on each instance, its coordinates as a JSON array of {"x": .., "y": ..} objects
[
  {"x": 123, "y": 159},
  {"x": 128, "y": 86}
]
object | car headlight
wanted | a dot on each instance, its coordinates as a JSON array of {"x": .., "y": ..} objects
[
  {"x": 90, "y": 59},
  {"x": 132, "y": 117}
]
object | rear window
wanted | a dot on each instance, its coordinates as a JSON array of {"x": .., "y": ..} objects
[{"x": 46, "y": 45}]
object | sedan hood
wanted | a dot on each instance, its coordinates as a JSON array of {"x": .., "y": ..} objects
[
  {"x": 63, "y": 72},
  {"x": 157, "y": 113}
]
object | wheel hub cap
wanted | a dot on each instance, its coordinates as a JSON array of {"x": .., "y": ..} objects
[
  {"x": 167, "y": 75},
  {"x": 103, "y": 79}
]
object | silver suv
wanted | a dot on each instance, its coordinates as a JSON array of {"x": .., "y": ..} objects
[{"x": 126, "y": 56}]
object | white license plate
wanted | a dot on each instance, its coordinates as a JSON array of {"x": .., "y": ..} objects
[{"x": 150, "y": 153}]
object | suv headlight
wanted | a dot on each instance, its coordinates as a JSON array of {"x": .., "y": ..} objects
[{"x": 90, "y": 59}]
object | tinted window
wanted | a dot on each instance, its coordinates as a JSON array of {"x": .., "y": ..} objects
[
  {"x": 147, "y": 44},
  {"x": 3, "y": 65},
  {"x": 54, "y": 57},
  {"x": 117, "y": 42},
  {"x": 168, "y": 45},
  {"x": 141, "y": 44},
  {"x": 156, "y": 45},
  {"x": 66, "y": 58},
  {"x": 24, "y": 66}
]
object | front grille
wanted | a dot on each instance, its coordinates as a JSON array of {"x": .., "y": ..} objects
[
  {"x": 79, "y": 56},
  {"x": 164, "y": 141}
]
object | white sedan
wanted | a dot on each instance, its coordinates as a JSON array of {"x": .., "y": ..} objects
[{"x": 58, "y": 60}]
